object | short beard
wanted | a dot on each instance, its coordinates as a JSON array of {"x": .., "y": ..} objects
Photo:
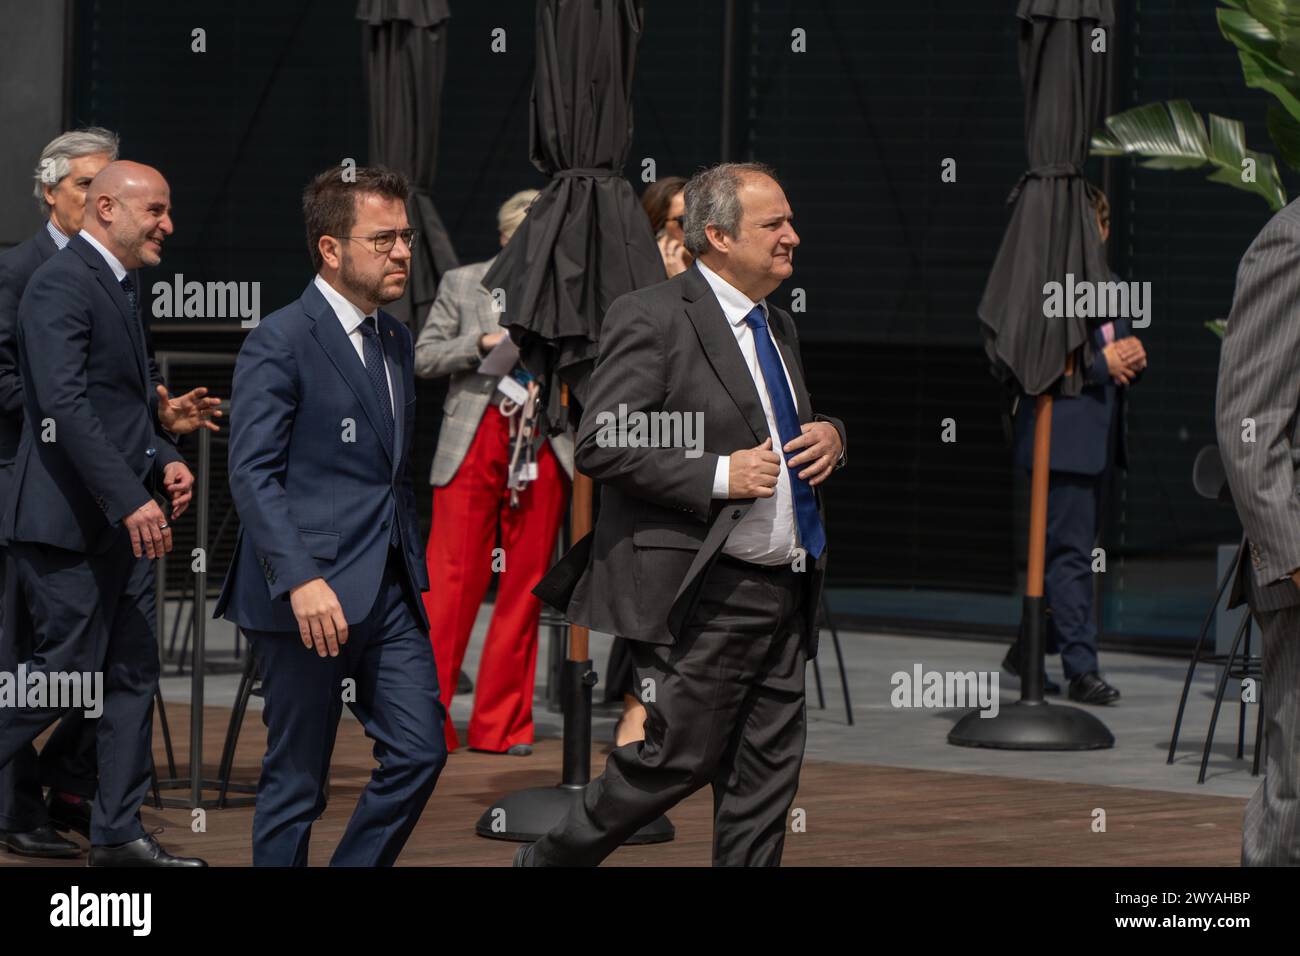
[
  {"x": 136, "y": 247},
  {"x": 363, "y": 289}
]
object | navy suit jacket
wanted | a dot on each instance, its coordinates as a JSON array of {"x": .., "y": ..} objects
[
  {"x": 1082, "y": 436},
  {"x": 17, "y": 265},
  {"x": 16, "y": 268},
  {"x": 83, "y": 363},
  {"x": 315, "y": 483}
]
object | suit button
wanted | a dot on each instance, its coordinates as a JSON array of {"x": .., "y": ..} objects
[
  {"x": 384, "y": 525},
  {"x": 735, "y": 514},
  {"x": 151, "y": 452}
]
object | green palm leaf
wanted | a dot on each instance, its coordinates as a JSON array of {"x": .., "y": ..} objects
[
  {"x": 1173, "y": 136},
  {"x": 1266, "y": 34}
]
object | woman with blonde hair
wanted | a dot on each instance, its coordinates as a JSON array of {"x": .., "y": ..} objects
[{"x": 492, "y": 471}]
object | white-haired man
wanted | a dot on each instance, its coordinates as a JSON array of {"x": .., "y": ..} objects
[{"x": 710, "y": 560}]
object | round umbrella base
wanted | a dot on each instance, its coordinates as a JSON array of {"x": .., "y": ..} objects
[
  {"x": 1037, "y": 726},
  {"x": 528, "y": 815}
]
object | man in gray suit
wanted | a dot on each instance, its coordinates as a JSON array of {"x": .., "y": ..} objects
[
  {"x": 709, "y": 552},
  {"x": 1259, "y": 439}
]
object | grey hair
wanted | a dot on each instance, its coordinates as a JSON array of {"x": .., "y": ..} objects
[
  {"x": 513, "y": 211},
  {"x": 712, "y": 198},
  {"x": 57, "y": 155}
]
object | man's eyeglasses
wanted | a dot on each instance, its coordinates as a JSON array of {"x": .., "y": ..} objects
[{"x": 383, "y": 242}]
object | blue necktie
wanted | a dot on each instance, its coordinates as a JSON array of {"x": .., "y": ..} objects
[
  {"x": 373, "y": 354},
  {"x": 811, "y": 534}
]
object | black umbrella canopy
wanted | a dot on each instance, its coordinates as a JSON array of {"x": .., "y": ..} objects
[
  {"x": 1053, "y": 231},
  {"x": 585, "y": 240},
  {"x": 406, "y": 57}
]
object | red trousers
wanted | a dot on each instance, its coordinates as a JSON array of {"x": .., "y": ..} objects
[{"x": 460, "y": 559}]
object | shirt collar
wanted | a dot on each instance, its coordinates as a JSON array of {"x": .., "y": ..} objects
[
  {"x": 735, "y": 304},
  {"x": 60, "y": 240},
  {"x": 349, "y": 315},
  {"x": 119, "y": 270}
]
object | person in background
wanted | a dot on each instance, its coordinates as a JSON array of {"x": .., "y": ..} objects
[
  {"x": 491, "y": 472},
  {"x": 664, "y": 205},
  {"x": 1089, "y": 443}
]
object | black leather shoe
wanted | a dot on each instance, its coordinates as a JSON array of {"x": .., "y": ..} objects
[
  {"x": 145, "y": 851},
  {"x": 1091, "y": 689},
  {"x": 524, "y": 856},
  {"x": 42, "y": 842},
  {"x": 65, "y": 816},
  {"x": 1011, "y": 664}
]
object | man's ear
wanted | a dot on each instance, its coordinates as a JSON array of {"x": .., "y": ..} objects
[
  {"x": 330, "y": 251},
  {"x": 103, "y": 207},
  {"x": 718, "y": 239}
]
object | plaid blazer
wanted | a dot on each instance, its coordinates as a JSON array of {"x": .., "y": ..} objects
[{"x": 448, "y": 345}]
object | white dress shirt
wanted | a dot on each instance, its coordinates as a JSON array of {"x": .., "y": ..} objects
[
  {"x": 351, "y": 318},
  {"x": 119, "y": 270},
  {"x": 768, "y": 533}
]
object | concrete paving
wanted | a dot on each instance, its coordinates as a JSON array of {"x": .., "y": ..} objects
[{"x": 917, "y": 738}]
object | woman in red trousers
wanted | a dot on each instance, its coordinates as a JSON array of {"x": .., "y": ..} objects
[{"x": 490, "y": 475}]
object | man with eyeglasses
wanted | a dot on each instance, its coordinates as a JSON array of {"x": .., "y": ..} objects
[{"x": 328, "y": 570}]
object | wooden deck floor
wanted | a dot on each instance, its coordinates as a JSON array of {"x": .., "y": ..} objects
[{"x": 855, "y": 815}]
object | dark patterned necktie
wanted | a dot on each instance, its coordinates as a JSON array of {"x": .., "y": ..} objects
[
  {"x": 129, "y": 288},
  {"x": 373, "y": 353},
  {"x": 811, "y": 533}
]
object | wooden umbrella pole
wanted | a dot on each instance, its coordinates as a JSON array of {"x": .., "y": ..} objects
[
  {"x": 1038, "y": 496},
  {"x": 579, "y": 527},
  {"x": 1038, "y": 490},
  {"x": 1033, "y": 620}
]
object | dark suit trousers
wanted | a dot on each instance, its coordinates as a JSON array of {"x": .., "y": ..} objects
[
  {"x": 93, "y": 613},
  {"x": 1073, "y": 510},
  {"x": 724, "y": 707},
  {"x": 67, "y": 761},
  {"x": 394, "y": 693}
]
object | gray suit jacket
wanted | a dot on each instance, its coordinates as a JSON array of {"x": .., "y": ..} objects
[
  {"x": 1259, "y": 388},
  {"x": 639, "y": 574},
  {"x": 448, "y": 345}
]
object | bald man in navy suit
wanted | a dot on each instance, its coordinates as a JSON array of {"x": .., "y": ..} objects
[{"x": 82, "y": 521}]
